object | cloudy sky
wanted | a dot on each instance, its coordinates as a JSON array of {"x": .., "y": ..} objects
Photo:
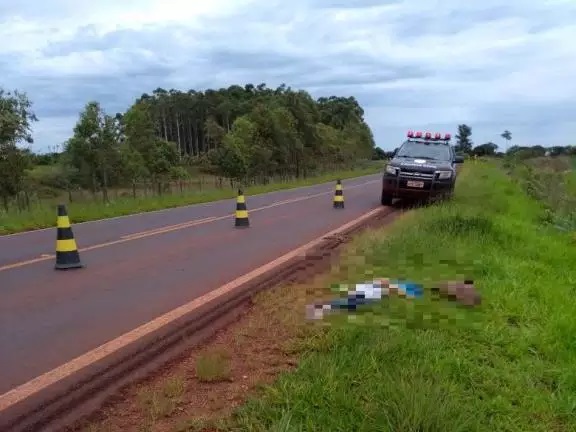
[{"x": 422, "y": 64}]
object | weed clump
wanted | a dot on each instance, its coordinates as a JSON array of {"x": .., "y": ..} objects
[{"x": 213, "y": 366}]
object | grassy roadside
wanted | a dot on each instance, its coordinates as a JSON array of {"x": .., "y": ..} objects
[
  {"x": 431, "y": 366},
  {"x": 44, "y": 216},
  {"x": 507, "y": 365},
  {"x": 552, "y": 181}
]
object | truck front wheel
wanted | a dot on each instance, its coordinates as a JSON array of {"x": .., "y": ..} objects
[{"x": 385, "y": 199}]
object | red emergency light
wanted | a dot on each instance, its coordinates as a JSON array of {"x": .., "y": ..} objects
[{"x": 428, "y": 135}]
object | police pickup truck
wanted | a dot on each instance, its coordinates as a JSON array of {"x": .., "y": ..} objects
[{"x": 424, "y": 167}]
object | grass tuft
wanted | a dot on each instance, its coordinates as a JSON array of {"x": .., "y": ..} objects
[
  {"x": 213, "y": 366},
  {"x": 159, "y": 402}
]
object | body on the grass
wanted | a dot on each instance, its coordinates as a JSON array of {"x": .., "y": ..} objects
[{"x": 365, "y": 293}]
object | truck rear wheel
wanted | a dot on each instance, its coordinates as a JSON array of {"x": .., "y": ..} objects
[{"x": 385, "y": 199}]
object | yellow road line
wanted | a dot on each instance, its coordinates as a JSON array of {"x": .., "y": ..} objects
[{"x": 170, "y": 228}]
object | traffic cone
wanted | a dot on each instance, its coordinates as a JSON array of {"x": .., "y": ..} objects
[
  {"x": 241, "y": 212},
  {"x": 339, "y": 195},
  {"x": 67, "y": 255}
]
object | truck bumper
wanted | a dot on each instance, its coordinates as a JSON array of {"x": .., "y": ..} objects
[{"x": 398, "y": 187}]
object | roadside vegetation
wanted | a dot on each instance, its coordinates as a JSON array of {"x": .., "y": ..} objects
[
  {"x": 431, "y": 366},
  {"x": 406, "y": 365},
  {"x": 552, "y": 181},
  {"x": 173, "y": 148}
]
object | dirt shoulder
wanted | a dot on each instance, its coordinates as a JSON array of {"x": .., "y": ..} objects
[{"x": 202, "y": 389}]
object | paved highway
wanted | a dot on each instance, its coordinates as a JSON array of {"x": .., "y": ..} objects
[{"x": 141, "y": 266}]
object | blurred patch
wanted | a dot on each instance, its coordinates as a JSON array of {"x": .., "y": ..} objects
[{"x": 364, "y": 295}]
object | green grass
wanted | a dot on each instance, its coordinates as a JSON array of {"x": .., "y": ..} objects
[
  {"x": 44, "y": 216},
  {"x": 213, "y": 366},
  {"x": 552, "y": 181},
  {"x": 508, "y": 365}
]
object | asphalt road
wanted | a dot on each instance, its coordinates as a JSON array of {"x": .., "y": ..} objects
[{"x": 139, "y": 267}]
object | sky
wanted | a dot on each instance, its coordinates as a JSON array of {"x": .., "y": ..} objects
[{"x": 412, "y": 64}]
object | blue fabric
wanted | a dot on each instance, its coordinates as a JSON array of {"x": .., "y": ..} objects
[{"x": 411, "y": 289}]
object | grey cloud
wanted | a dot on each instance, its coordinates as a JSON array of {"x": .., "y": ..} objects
[
  {"x": 528, "y": 115},
  {"x": 66, "y": 96},
  {"x": 378, "y": 74},
  {"x": 249, "y": 59},
  {"x": 351, "y": 4},
  {"x": 28, "y": 8},
  {"x": 447, "y": 21},
  {"x": 451, "y": 22},
  {"x": 86, "y": 38},
  {"x": 222, "y": 53},
  {"x": 345, "y": 71}
]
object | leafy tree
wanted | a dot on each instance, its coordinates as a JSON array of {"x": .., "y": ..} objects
[
  {"x": 93, "y": 150},
  {"x": 558, "y": 150},
  {"x": 507, "y": 135},
  {"x": 488, "y": 149},
  {"x": 286, "y": 139},
  {"x": 157, "y": 156},
  {"x": 45, "y": 159},
  {"x": 233, "y": 159},
  {"x": 13, "y": 165},
  {"x": 519, "y": 152},
  {"x": 463, "y": 141},
  {"x": 378, "y": 154},
  {"x": 133, "y": 166},
  {"x": 16, "y": 118},
  {"x": 247, "y": 133}
]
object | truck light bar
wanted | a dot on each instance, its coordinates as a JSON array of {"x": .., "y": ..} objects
[{"x": 428, "y": 136}]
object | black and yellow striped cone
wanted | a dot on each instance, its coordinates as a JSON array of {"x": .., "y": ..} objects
[
  {"x": 241, "y": 212},
  {"x": 67, "y": 255},
  {"x": 339, "y": 195}
]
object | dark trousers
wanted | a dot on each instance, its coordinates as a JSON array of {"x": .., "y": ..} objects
[{"x": 351, "y": 302}]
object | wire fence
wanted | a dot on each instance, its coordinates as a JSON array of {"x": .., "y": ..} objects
[{"x": 41, "y": 195}]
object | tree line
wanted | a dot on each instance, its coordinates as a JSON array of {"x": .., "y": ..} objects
[
  {"x": 246, "y": 134},
  {"x": 465, "y": 145}
]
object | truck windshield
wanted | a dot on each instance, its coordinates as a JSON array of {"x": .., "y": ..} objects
[{"x": 425, "y": 151}]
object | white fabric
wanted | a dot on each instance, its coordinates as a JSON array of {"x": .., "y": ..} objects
[{"x": 370, "y": 291}]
